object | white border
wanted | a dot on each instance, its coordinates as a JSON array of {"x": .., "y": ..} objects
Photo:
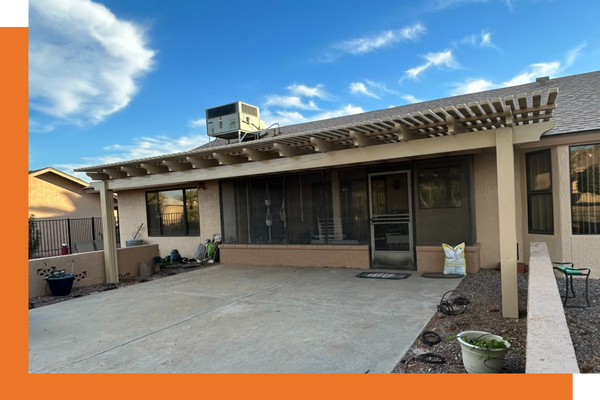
[
  {"x": 14, "y": 13},
  {"x": 585, "y": 386}
]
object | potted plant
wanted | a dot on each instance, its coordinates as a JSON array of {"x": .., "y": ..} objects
[
  {"x": 483, "y": 352},
  {"x": 60, "y": 282}
]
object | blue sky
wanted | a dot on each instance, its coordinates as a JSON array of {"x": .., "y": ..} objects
[{"x": 127, "y": 79}]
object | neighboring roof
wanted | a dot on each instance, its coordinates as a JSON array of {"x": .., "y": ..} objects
[
  {"x": 578, "y": 105},
  {"x": 46, "y": 170}
]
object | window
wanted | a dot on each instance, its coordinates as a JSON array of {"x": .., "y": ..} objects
[
  {"x": 440, "y": 188},
  {"x": 173, "y": 213},
  {"x": 585, "y": 189},
  {"x": 539, "y": 192}
]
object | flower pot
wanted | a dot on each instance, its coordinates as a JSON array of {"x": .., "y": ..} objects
[
  {"x": 61, "y": 286},
  {"x": 478, "y": 360}
]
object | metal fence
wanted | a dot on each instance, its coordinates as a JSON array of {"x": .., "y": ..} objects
[{"x": 52, "y": 234}]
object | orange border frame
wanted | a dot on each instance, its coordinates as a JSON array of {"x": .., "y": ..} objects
[{"x": 14, "y": 126}]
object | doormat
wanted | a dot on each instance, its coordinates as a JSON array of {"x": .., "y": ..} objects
[
  {"x": 440, "y": 275},
  {"x": 382, "y": 275}
]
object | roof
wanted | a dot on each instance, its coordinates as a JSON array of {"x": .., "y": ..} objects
[
  {"x": 46, "y": 170},
  {"x": 422, "y": 119}
]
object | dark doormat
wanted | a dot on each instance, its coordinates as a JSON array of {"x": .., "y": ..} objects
[
  {"x": 382, "y": 275},
  {"x": 440, "y": 275}
]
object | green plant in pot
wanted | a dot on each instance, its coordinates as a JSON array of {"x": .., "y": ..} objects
[
  {"x": 483, "y": 352},
  {"x": 60, "y": 282}
]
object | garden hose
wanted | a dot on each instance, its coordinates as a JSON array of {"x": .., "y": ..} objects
[{"x": 430, "y": 338}]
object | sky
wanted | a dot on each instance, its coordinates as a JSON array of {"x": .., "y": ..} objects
[{"x": 126, "y": 79}]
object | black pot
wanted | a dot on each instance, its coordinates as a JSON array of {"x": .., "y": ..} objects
[{"x": 61, "y": 286}]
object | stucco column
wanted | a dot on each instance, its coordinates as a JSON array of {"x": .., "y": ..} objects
[
  {"x": 507, "y": 221},
  {"x": 561, "y": 188},
  {"x": 111, "y": 265}
]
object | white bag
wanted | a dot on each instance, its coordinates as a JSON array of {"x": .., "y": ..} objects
[{"x": 455, "y": 259}]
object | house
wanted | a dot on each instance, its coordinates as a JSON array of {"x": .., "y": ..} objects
[
  {"x": 54, "y": 194},
  {"x": 384, "y": 189},
  {"x": 66, "y": 210}
]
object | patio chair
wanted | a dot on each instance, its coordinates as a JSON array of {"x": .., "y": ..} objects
[
  {"x": 570, "y": 271},
  {"x": 332, "y": 227}
]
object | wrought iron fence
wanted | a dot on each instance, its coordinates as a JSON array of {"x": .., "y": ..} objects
[{"x": 51, "y": 234}]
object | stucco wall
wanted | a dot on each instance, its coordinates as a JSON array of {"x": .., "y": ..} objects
[
  {"x": 88, "y": 267},
  {"x": 583, "y": 250},
  {"x": 132, "y": 213},
  {"x": 486, "y": 208},
  {"x": 52, "y": 196}
]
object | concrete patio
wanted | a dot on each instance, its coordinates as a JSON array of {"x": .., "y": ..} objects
[{"x": 238, "y": 319}]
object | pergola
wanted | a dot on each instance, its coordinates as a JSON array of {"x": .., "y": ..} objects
[{"x": 497, "y": 123}]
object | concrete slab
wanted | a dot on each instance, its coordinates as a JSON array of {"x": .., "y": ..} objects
[{"x": 227, "y": 319}]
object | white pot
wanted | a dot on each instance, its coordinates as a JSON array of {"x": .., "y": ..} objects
[{"x": 482, "y": 361}]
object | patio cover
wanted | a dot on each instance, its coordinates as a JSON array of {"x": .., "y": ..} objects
[{"x": 499, "y": 123}]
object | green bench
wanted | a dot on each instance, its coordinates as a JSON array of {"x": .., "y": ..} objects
[{"x": 570, "y": 271}]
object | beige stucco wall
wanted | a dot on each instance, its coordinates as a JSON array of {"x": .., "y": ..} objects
[
  {"x": 297, "y": 255},
  {"x": 88, "y": 267},
  {"x": 583, "y": 250},
  {"x": 486, "y": 208},
  {"x": 132, "y": 213},
  {"x": 53, "y": 196}
]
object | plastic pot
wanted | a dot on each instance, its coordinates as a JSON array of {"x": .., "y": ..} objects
[
  {"x": 482, "y": 361},
  {"x": 61, "y": 286}
]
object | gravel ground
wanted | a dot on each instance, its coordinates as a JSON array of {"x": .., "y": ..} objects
[
  {"x": 41, "y": 301},
  {"x": 483, "y": 314}
]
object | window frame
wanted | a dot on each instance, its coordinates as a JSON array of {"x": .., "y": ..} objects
[
  {"x": 571, "y": 182},
  {"x": 185, "y": 213},
  {"x": 532, "y": 193}
]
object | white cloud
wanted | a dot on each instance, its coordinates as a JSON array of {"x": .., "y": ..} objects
[
  {"x": 38, "y": 127},
  {"x": 441, "y": 4},
  {"x": 552, "y": 69},
  {"x": 471, "y": 85},
  {"x": 411, "y": 99},
  {"x": 383, "y": 39},
  {"x": 284, "y": 118},
  {"x": 306, "y": 91},
  {"x": 141, "y": 147},
  {"x": 84, "y": 62},
  {"x": 197, "y": 123},
  {"x": 572, "y": 55},
  {"x": 346, "y": 110},
  {"x": 290, "y": 102},
  {"x": 360, "y": 88},
  {"x": 440, "y": 59},
  {"x": 534, "y": 71},
  {"x": 482, "y": 40},
  {"x": 368, "y": 44}
]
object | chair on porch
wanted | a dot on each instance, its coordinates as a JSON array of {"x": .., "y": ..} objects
[
  {"x": 330, "y": 227},
  {"x": 568, "y": 269}
]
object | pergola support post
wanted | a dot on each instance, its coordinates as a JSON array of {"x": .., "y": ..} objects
[
  {"x": 111, "y": 265},
  {"x": 507, "y": 221}
]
